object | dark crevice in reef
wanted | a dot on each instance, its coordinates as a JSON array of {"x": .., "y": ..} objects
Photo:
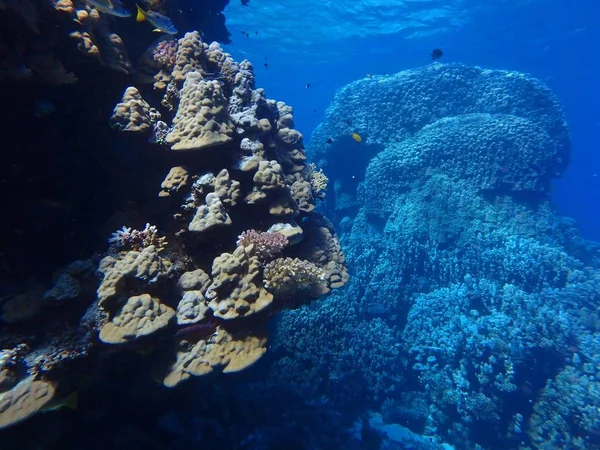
[{"x": 62, "y": 173}]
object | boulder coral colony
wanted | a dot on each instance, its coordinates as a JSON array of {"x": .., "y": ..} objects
[
  {"x": 241, "y": 240},
  {"x": 479, "y": 300}
]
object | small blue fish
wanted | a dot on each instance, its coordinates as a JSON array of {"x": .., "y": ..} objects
[
  {"x": 162, "y": 23},
  {"x": 112, "y": 7}
]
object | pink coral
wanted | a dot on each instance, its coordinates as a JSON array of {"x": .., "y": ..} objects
[
  {"x": 164, "y": 53},
  {"x": 266, "y": 245}
]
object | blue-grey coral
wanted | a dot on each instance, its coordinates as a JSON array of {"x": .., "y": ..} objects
[{"x": 469, "y": 291}]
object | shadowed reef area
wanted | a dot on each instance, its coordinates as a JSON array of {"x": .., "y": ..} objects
[
  {"x": 171, "y": 254},
  {"x": 159, "y": 209}
]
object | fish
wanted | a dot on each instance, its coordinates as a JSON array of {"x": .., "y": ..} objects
[
  {"x": 245, "y": 3},
  {"x": 307, "y": 85},
  {"x": 329, "y": 141},
  {"x": 198, "y": 331},
  {"x": 436, "y": 53},
  {"x": 347, "y": 122},
  {"x": 112, "y": 7},
  {"x": 162, "y": 23},
  {"x": 356, "y": 136},
  {"x": 70, "y": 402},
  {"x": 266, "y": 65},
  {"x": 369, "y": 75}
]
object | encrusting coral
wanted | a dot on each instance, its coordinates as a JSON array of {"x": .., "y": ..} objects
[
  {"x": 133, "y": 113},
  {"x": 201, "y": 120},
  {"x": 24, "y": 400},
  {"x": 140, "y": 316}
]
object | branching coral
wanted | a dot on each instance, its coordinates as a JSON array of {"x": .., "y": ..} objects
[
  {"x": 265, "y": 245},
  {"x": 127, "y": 239},
  {"x": 285, "y": 276},
  {"x": 317, "y": 179}
]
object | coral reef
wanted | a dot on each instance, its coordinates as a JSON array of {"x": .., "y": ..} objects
[
  {"x": 42, "y": 28},
  {"x": 133, "y": 113},
  {"x": 197, "y": 289},
  {"x": 479, "y": 300}
]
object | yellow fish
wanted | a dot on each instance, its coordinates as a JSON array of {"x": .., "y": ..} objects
[
  {"x": 356, "y": 137},
  {"x": 162, "y": 23}
]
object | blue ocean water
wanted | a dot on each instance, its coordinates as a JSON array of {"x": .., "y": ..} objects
[
  {"x": 180, "y": 269},
  {"x": 329, "y": 44}
]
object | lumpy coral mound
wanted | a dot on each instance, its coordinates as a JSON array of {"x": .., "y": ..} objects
[
  {"x": 236, "y": 205},
  {"x": 472, "y": 313},
  {"x": 502, "y": 131}
]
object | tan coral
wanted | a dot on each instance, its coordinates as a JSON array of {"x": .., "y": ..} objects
[
  {"x": 132, "y": 114},
  {"x": 303, "y": 194},
  {"x": 192, "y": 308},
  {"x": 85, "y": 44},
  {"x": 194, "y": 280},
  {"x": 202, "y": 120},
  {"x": 189, "y": 55},
  {"x": 284, "y": 205},
  {"x": 24, "y": 400},
  {"x": 227, "y": 189},
  {"x": 210, "y": 215},
  {"x": 141, "y": 315},
  {"x": 219, "y": 61},
  {"x": 96, "y": 39},
  {"x": 253, "y": 154},
  {"x": 220, "y": 351},
  {"x": 290, "y": 230},
  {"x": 289, "y": 141},
  {"x": 64, "y": 6},
  {"x": 269, "y": 177},
  {"x": 146, "y": 266},
  {"x": 155, "y": 64},
  {"x": 176, "y": 179},
  {"x": 236, "y": 289}
]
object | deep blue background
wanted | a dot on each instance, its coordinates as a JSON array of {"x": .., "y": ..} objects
[{"x": 556, "y": 41}]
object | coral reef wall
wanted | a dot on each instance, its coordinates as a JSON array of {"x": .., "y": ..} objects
[
  {"x": 472, "y": 314},
  {"x": 63, "y": 66},
  {"x": 214, "y": 228}
]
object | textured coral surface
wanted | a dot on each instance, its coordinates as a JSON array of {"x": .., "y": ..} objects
[{"x": 220, "y": 172}]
